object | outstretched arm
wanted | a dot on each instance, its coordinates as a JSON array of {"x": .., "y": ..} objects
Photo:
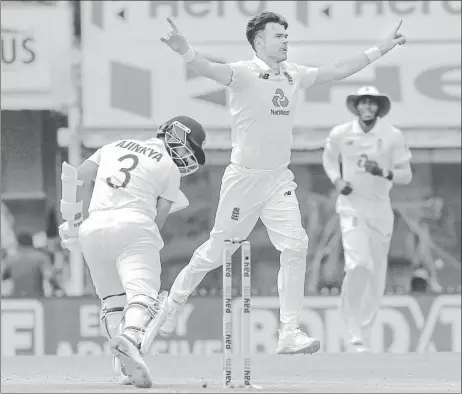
[
  {"x": 221, "y": 73},
  {"x": 345, "y": 67}
]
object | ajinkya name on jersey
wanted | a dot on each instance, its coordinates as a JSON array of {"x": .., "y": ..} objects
[
  {"x": 279, "y": 99},
  {"x": 135, "y": 147}
]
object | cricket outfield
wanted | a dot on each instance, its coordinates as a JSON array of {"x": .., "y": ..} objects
[{"x": 323, "y": 372}]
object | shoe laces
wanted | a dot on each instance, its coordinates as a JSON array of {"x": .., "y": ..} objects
[{"x": 295, "y": 331}]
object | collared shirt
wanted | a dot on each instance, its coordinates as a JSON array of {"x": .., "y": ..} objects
[
  {"x": 349, "y": 145},
  {"x": 262, "y": 106},
  {"x": 132, "y": 175}
]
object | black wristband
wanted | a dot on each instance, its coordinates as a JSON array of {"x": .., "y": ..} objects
[{"x": 390, "y": 175}]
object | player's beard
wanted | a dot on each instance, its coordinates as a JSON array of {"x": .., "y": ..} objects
[
  {"x": 369, "y": 122},
  {"x": 368, "y": 117}
]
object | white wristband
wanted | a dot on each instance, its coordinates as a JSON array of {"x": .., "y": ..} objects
[
  {"x": 189, "y": 55},
  {"x": 373, "y": 54}
]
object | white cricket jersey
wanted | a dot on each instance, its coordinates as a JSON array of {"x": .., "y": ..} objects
[
  {"x": 132, "y": 175},
  {"x": 350, "y": 145},
  {"x": 262, "y": 107}
]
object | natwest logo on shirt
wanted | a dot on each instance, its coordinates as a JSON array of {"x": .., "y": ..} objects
[{"x": 280, "y": 100}]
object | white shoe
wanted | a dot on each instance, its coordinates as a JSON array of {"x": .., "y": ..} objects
[
  {"x": 124, "y": 380},
  {"x": 174, "y": 310},
  {"x": 360, "y": 346},
  {"x": 120, "y": 371},
  {"x": 130, "y": 357},
  {"x": 292, "y": 340}
]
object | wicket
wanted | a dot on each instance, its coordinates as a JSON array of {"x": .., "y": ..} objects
[{"x": 227, "y": 312}]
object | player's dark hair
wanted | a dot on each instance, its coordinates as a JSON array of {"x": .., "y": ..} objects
[{"x": 259, "y": 22}]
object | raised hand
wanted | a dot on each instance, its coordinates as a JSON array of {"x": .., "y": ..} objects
[
  {"x": 392, "y": 39},
  {"x": 175, "y": 39}
]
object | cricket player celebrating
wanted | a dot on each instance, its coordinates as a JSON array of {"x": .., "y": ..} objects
[
  {"x": 137, "y": 184},
  {"x": 257, "y": 183},
  {"x": 363, "y": 159}
]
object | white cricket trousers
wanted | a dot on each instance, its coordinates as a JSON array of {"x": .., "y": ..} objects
[
  {"x": 245, "y": 196},
  {"x": 121, "y": 249},
  {"x": 366, "y": 233}
]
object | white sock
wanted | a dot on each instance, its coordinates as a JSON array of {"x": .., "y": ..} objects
[{"x": 288, "y": 326}]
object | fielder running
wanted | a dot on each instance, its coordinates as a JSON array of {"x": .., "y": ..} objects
[
  {"x": 257, "y": 183},
  {"x": 137, "y": 184},
  {"x": 363, "y": 159}
]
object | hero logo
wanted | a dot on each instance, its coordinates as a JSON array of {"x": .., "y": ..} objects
[
  {"x": 280, "y": 100},
  {"x": 203, "y": 9},
  {"x": 440, "y": 83},
  {"x": 301, "y": 8},
  {"x": 22, "y": 328},
  {"x": 401, "y": 8},
  {"x": 404, "y": 324}
]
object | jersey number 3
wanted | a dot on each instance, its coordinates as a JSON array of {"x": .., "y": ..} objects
[{"x": 125, "y": 170}]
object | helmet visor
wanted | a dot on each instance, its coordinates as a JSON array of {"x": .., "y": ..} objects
[{"x": 179, "y": 149}]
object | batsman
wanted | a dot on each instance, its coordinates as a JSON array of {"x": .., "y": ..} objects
[{"x": 136, "y": 186}]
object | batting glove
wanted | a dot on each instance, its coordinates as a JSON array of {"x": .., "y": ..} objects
[
  {"x": 343, "y": 187},
  {"x": 69, "y": 237},
  {"x": 373, "y": 168}
]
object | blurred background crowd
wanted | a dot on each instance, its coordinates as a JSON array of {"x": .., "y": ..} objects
[{"x": 37, "y": 137}]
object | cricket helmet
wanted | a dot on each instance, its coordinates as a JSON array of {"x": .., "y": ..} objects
[{"x": 184, "y": 139}]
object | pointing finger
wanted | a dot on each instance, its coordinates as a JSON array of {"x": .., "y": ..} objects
[{"x": 175, "y": 29}]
